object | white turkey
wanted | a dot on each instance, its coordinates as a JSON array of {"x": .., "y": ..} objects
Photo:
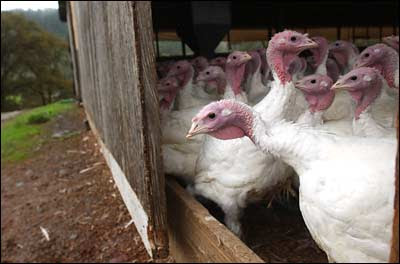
[
  {"x": 316, "y": 89},
  {"x": 386, "y": 60},
  {"x": 179, "y": 156},
  {"x": 347, "y": 184},
  {"x": 257, "y": 90},
  {"x": 365, "y": 86},
  {"x": 341, "y": 107},
  {"x": 190, "y": 95},
  {"x": 233, "y": 173}
]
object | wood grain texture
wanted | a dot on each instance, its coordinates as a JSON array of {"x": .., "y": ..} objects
[
  {"x": 196, "y": 236},
  {"x": 116, "y": 66},
  {"x": 152, "y": 137},
  {"x": 394, "y": 253},
  {"x": 73, "y": 47}
]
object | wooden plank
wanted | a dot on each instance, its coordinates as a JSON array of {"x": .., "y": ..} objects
[
  {"x": 116, "y": 65},
  {"x": 394, "y": 253},
  {"x": 139, "y": 216},
  {"x": 196, "y": 236},
  {"x": 73, "y": 47},
  {"x": 151, "y": 124}
]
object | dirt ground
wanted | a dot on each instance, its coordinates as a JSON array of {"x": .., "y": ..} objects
[
  {"x": 276, "y": 234},
  {"x": 67, "y": 189}
]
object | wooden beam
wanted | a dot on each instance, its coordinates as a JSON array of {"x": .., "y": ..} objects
[
  {"x": 117, "y": 76},
  {"x": 196, "y": 236},
  {"x": 394, "y": 253},
  {"x": 153, "y": 170},
  {"x": 73, "y": 46}
]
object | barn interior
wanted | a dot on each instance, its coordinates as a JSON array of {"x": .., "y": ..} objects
[
  {"x": 209, "y": 27},
  {"x": 188, "y": 29}
]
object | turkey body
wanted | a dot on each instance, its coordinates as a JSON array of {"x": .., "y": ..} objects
[{"x": 346, "y": 188}]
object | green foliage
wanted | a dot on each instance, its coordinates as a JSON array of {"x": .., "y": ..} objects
[
  {"x": 38, "y": 118},
  {"x": 19, "y": 138},
  {"x": 34, "y": 62},
  {"x": 48, "y": 19}
]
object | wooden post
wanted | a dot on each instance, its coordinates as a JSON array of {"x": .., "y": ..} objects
[
  {"x": 73, "y": 46},
  {"x": 394, "y": 253},
  {"x": 116, "y": 62}
]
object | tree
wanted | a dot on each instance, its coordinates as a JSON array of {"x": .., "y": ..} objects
[{"x": 33, "y": 61}]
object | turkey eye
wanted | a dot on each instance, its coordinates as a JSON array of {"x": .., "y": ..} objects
[
  {"x": 366, "y": 55},
  {"x": 293, "y": 38},
  {"x": 234, "y": 57},
  {"x": 207, "y": 73},
  {"x": 211, "y": 115},
  {"x": 178, "y": 67},
  {"x": 336, "y": 44},
  {"x": 353, "y": 78},
  {"x": 313, "y": 81},
  {"x": 167, "y": 84}
]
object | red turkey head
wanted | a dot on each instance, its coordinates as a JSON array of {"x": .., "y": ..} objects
[
  {"x": 225, "y": 119},
  {"x": 341, "y": 51},
  {"x": 283, "y": 49},
  {"x": 316, "y": 89},
  {"x": 364, "y": 85},
  {"x": 213, "y": 75}
]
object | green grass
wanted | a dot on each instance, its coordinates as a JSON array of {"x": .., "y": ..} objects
[{"x": 19, "y": 138}]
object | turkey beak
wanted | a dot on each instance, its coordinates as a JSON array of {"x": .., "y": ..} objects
[
  {"x": 298, "y": 85},
  {"x": 338, "y": 85},
  {"x": 196, "y": 129},
  {"x": 359, "y": 64},
  {"x": 199, "y": 78},
  {"x": 308, "y": 44},
  {"x": 246, "y": 57}
]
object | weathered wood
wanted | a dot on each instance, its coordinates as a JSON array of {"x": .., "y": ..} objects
[
  {"x": 73, "y": 47},
  {"x": 117, "y": 76},
  {"x": 150, "y": 110},
  {"x": 196, "y": 236},
  {"x": 394, "y": 253}
]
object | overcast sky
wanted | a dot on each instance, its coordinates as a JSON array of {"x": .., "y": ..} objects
[{"x": 35, "y": 5}]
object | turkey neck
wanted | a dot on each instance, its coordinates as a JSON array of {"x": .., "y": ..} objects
[
  {"x": 321, "y": 69},
  {"x": 311, "y": 118},
  {"x": 390, "y": 64},
  {"x": 256, "y": 77},
  {"x": 188, "y": 78},
  {"x": 297, "y": 145},
  {"x": 234, "y": 76},
  {"x": 319, "y": 102},
  {"x": 363, "y": 121},
  {"x": 221, "y": 84},
  {"x": 365, "y": 98},
  {"x": 278, "y": 103},
  {"x": 346, "y": 58},
  {"x": 187, "y": 90}
]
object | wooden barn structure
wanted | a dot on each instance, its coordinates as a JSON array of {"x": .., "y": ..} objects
[{"x": 113, "y": 54}]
